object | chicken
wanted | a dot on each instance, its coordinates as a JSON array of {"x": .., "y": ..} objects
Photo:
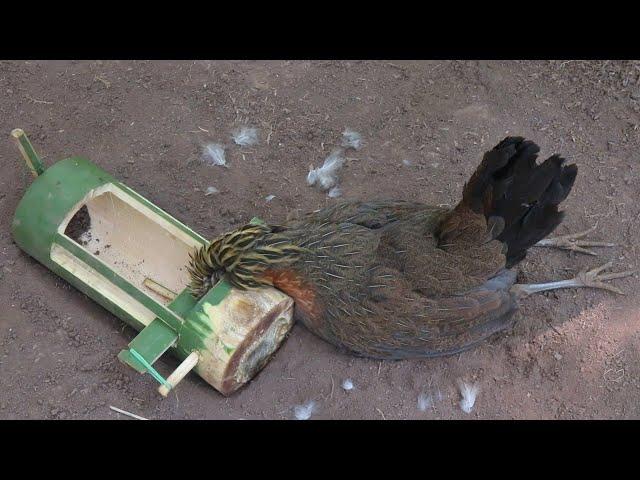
[{"x": 398, "y": 279}]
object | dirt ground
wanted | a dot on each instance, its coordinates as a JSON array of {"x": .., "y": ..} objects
[{"x": 573, "y": 354}]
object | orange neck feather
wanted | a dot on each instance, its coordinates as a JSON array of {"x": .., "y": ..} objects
[{"x": 291, "y": 283}]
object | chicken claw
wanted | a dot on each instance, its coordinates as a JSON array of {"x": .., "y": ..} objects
[
  {"x": 585, "y": 279},
  {"x": 572, "y": 242}
]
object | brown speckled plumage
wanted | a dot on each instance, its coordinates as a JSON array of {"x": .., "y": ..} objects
[{"x": 397, "y": 279}]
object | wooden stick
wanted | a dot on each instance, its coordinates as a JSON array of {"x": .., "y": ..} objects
[
  {"x": 159, "y": 289},
  {"x": 179, "y": 373},
  {"x": 30, "y": 156},
  {"x": 132, "y": 415}
]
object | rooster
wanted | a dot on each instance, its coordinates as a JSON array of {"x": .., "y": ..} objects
[{"x": 397, "y": 279}]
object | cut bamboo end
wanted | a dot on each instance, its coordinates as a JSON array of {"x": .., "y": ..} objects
[
  {"x": 31, "y": 158},
  {"x": 179, "y": 373}
]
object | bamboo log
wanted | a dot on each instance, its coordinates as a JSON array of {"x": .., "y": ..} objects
[{"x": 237, "y": 336}]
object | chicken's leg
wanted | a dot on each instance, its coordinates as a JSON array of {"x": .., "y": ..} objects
[
  {"x": 572, "y": 242},
  {"x": 590, "y": 278}
]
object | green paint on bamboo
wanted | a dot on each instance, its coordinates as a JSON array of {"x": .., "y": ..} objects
[
  {"x": 151, "y": 342},
  {"x": 154, "y": 373},
  {"x": 198, "y": 326}
]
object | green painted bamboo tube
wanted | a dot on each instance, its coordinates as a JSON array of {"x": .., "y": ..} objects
[{"x": 124, "y": 242}]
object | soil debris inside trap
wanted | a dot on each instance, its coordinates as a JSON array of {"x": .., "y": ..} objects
[{"x": 79, "y": 226}]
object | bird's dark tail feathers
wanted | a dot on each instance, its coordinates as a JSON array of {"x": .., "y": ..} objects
[{"x": 517, "y": 196}]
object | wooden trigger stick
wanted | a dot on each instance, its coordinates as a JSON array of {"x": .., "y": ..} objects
[{"x": 179, "y": 373}]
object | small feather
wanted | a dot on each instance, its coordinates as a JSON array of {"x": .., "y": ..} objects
[
  {"x": 245, "y": 136},
  {"x": 427, "y": 399},
  {"x": 351, "y": 139},
  {"x": 468, "y": 392},
  {"x": 303, "y": 412},
  {"x": 326, "y": 176},
  {"x": 347, "y": 384},
  {"x": 213, "y": 154},
  {"x": 335, "y": 192}
]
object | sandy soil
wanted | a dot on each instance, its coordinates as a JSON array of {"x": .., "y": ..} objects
[{"x": 572, "y": 353}]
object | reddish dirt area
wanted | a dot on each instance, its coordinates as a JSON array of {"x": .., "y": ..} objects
[{"x": 573, "y": 354}]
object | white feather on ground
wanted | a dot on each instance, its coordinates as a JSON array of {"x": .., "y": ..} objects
[
  {"x": 213, "y": 154},
  {"x": 211, "y": 191},
  {"x": 335, "y": 192},
  {"x": 427, "y": 399},
  {"x": 351, "y": 139},
  {"x": 326, "y": 176},
  {"x": 468, "y": 392},
  {"x": 245, "y": 136},
  {"x": 424, "y": 402},
  {"x": 268, "y": 198},
  {"x": 347, "y": 384},
  {"x": 303, "y": 412}
]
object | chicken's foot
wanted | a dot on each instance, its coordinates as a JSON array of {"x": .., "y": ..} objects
[
  {"x": 586, "y": 278},
  {"x": 572, "y": 242}
]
